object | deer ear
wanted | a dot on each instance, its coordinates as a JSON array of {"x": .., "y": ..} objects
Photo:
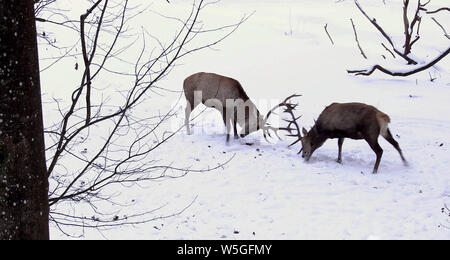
[{"x": 304, "y": 131}]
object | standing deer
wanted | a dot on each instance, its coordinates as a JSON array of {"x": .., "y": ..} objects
[
  {"x": 349, "y": 120},
  {"x": 228, "y": 97}
]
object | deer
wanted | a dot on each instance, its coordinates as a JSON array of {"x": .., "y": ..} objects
[
  {"x": 226, "y": 95},
  {"x": 349, "y": 120}
]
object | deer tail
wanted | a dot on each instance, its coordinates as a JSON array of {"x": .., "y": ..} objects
[{"x": 383, "y": 121}]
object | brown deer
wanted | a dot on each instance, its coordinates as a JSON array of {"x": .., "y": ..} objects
[
  {"x": 349, "y": 120},
  {"x": 228, "y": 97}
]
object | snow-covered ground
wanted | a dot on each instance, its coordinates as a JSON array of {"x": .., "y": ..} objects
[{"x": 266, "y": 190}]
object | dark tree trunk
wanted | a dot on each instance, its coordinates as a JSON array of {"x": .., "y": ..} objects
[{"x": 23, "y": 176}]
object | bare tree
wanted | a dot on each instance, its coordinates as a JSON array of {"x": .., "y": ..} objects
[
  {"x": 125, "y": 150},
  {"x": 411, "y": 37}
]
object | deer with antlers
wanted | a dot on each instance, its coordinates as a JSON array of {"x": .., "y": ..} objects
[
  {"x": 341, "y": 120},
  {"x": 229, "y": 98}
]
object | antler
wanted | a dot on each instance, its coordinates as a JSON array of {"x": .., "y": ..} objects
[
  {"x": 266, "y": 131},
  {"x": 292, "y": 128}
]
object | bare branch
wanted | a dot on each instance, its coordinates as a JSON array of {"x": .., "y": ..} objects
[
  {"x": 386, "y": 48},
  {"x": 439, "y": 10},
  {"x": 357, "y": 41},
  {"x": 442, "y": 27},
  {"x": 385, "y": 35},
  {"x": 88, "y": 60},
  {"x": 399, "y": 73},
  {"x": 329, "y": 36},
  {"x": 409, "y": 27},
  {"x": 111, "y": 220}
]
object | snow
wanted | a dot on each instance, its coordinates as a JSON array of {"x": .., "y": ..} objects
[{"x": 266, "y": 190}]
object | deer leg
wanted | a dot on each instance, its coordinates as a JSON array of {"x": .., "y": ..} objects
[
  {"x": 391, "y": 140},
  {"x": 191, "y": 104},
  {"x": 236, "y": 136},
  {"x": 340, "y": 142},
  {"x": 373, "y": 142},
  {"x": 187, "y": 114},
  {"x": 226, "y": 120}
]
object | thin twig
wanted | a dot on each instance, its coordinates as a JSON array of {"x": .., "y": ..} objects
[
  {"x": 442, "y": 27},
  {"x": 329, "y": 36},
  {"x": 387, "y": 49},
  {"x": 357, "y": 41}
]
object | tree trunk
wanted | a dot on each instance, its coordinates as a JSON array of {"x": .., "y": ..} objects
[{"x": 24, "y": 205}]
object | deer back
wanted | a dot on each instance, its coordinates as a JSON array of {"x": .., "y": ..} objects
[
  {"x": 351, "y": 120},
  {"x": 214, "y": 86}
]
